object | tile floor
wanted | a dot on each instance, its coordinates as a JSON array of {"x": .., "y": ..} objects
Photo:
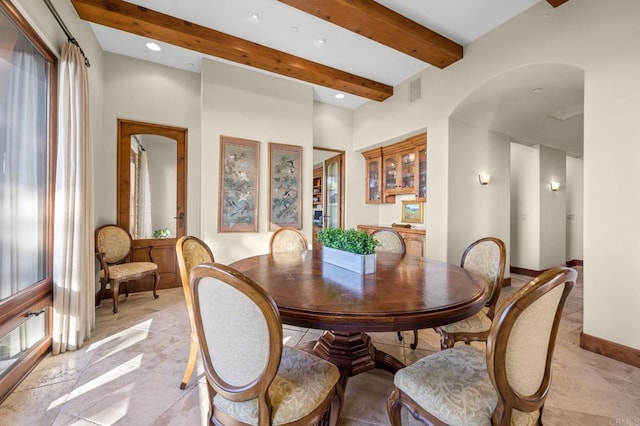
[{"x": 129, "y": 373}]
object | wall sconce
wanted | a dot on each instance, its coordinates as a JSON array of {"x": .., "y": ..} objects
[
  {"x": 484, "y": 178},
  {"x": 554, "y": 186}
]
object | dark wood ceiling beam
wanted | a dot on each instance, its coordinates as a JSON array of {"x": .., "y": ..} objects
[
  {"x": 379, "y": 23},
  {"x": 158, "y": 26},
  {"x": 556, "y": 3}
]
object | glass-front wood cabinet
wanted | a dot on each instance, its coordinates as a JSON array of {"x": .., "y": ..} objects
[{"x": 399, "y": 168}]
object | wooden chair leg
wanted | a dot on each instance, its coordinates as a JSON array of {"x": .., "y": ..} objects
[
  {"x": 115, "y": 292},
  {"x": 100, "y": 293},
  {"x": 156, "y": 279},
  {"x": 414, "y": 345},
  {"x": 400, "y": 336},
  {"x": 393, "y": 407},
  {"x": 191, "y": 362}
]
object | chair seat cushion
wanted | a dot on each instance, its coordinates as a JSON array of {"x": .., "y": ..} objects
[
  {"x": 476, "y": 324},
  {"x": 127, "y": 269},
  {"x": 454, "y": 386},
  {"x": 301, "y": 385}
]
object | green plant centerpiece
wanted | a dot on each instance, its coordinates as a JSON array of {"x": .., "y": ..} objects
[{"x": 349, "y": 248}]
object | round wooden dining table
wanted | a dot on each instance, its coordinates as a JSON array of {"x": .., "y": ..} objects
[{"x": 404, "y": 293}]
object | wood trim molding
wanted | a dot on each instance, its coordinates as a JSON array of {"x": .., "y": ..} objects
[
  {"x": 379, "y": 23},
  {"x": 524, "y": 271},
  {"x": 611, "y": 350},
  {"x": 145, "y": 22},
  {"x": 556, "y": 3},
  {"x": 506, "y": 282},
  {"x": 575, "y": 262}
]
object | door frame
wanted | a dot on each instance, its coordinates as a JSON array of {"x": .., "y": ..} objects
[{"x": 341, "y": 204}]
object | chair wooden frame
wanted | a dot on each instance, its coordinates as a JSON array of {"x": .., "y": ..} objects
[
  {"x": 282, "y": 231},
  {"x": 448, "y": 340},
  {"x": 496, "y": 354},
  {"x": 325, "y": 413},
  {"x": 185, "y": 268},
  {"x": 106, "y": 262}
]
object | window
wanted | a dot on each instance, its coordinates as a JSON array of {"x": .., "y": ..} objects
[{"x": 27, "y": 100}]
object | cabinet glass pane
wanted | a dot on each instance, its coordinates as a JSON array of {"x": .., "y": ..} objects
[
  {"x": 408, "y": 170},
  {"x": 18, "y": 341},
  {"x": 422, "y": 173},
  {"x": 390, "y": 173},
  {"x": 374, "y": 180}
]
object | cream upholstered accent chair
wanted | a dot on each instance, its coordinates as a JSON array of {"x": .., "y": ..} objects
[
  {"x": 287, "y": 239},
  {"x": 252, "y": 378},
  {"x": 191, "y": 251},
  {"x": 505, "y": 385},
  {"x": 114, "y": 248},
  {"x": 484, "y": 259}
]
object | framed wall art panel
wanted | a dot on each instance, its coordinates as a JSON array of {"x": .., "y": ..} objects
[
  {"x": 238, "y": 195},
  {"x": 285, "y": 186},
  {"x": 412, "y": 211}
]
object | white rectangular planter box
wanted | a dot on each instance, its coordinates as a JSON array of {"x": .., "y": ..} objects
[{"x": 362, "y": 264}]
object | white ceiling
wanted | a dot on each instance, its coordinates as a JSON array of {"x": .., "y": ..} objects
[{"x": 287, "y": 29}]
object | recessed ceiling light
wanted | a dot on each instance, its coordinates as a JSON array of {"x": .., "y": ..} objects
[
  {"x": 537, "y": 90},
  {"x": 339, "y": 95},
  {"x": 320, "y": 41},
  {"x": 254, "y": 15},
  {"x": 294, "y": 29},
  {"x": 153, "y": 46}
]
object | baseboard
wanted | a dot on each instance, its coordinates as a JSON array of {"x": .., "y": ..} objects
[
  {"x": 534, "y": 273},
  {"x": 609, "y": 349},
  {"x": 506, "y": 282},
  {"x": 523, "y": 271}
]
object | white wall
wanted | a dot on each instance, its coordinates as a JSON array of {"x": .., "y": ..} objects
[
  {"x": 575, "y": 207},
  {"x": 525, "y": 206},
  {"x": 246, "y": 104},
  {"x": 598, "y": 37},
  {"x": 553, "y": 208},
  {"x": 477, "y": 211},
  {"x": 142, "y": 91}
]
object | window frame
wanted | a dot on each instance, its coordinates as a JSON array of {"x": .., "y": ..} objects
[{"x": 15, "y": 309}]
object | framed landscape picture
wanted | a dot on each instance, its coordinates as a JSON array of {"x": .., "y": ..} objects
[
  {"x": 238, "y": 195},
  {"x": 412, "y": 211},
  {"x": 285, "y": 186}
]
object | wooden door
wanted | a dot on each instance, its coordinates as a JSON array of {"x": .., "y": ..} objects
[{"x": 169, "y": 210}]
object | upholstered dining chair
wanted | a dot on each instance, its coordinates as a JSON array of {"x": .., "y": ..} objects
[
  {"x": 191, "y": 251},
  {"x": 287, "y": 239},
  {"x": 505, "y": 385},
  {"x": 485, "y": 259},
  {"x": 114, "y": 248},
  {"x": 252, "y": 378},
  {"x": 391, "y": 241}
]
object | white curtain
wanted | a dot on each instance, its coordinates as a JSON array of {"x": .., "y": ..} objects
[
  {"x": 73, "y": 256},
  {"x": 143, "y": 221}
]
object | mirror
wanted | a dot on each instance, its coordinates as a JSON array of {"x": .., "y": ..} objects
[
  {"x": 151, "y": 180},
  {"x": 152, "y": 189}
]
